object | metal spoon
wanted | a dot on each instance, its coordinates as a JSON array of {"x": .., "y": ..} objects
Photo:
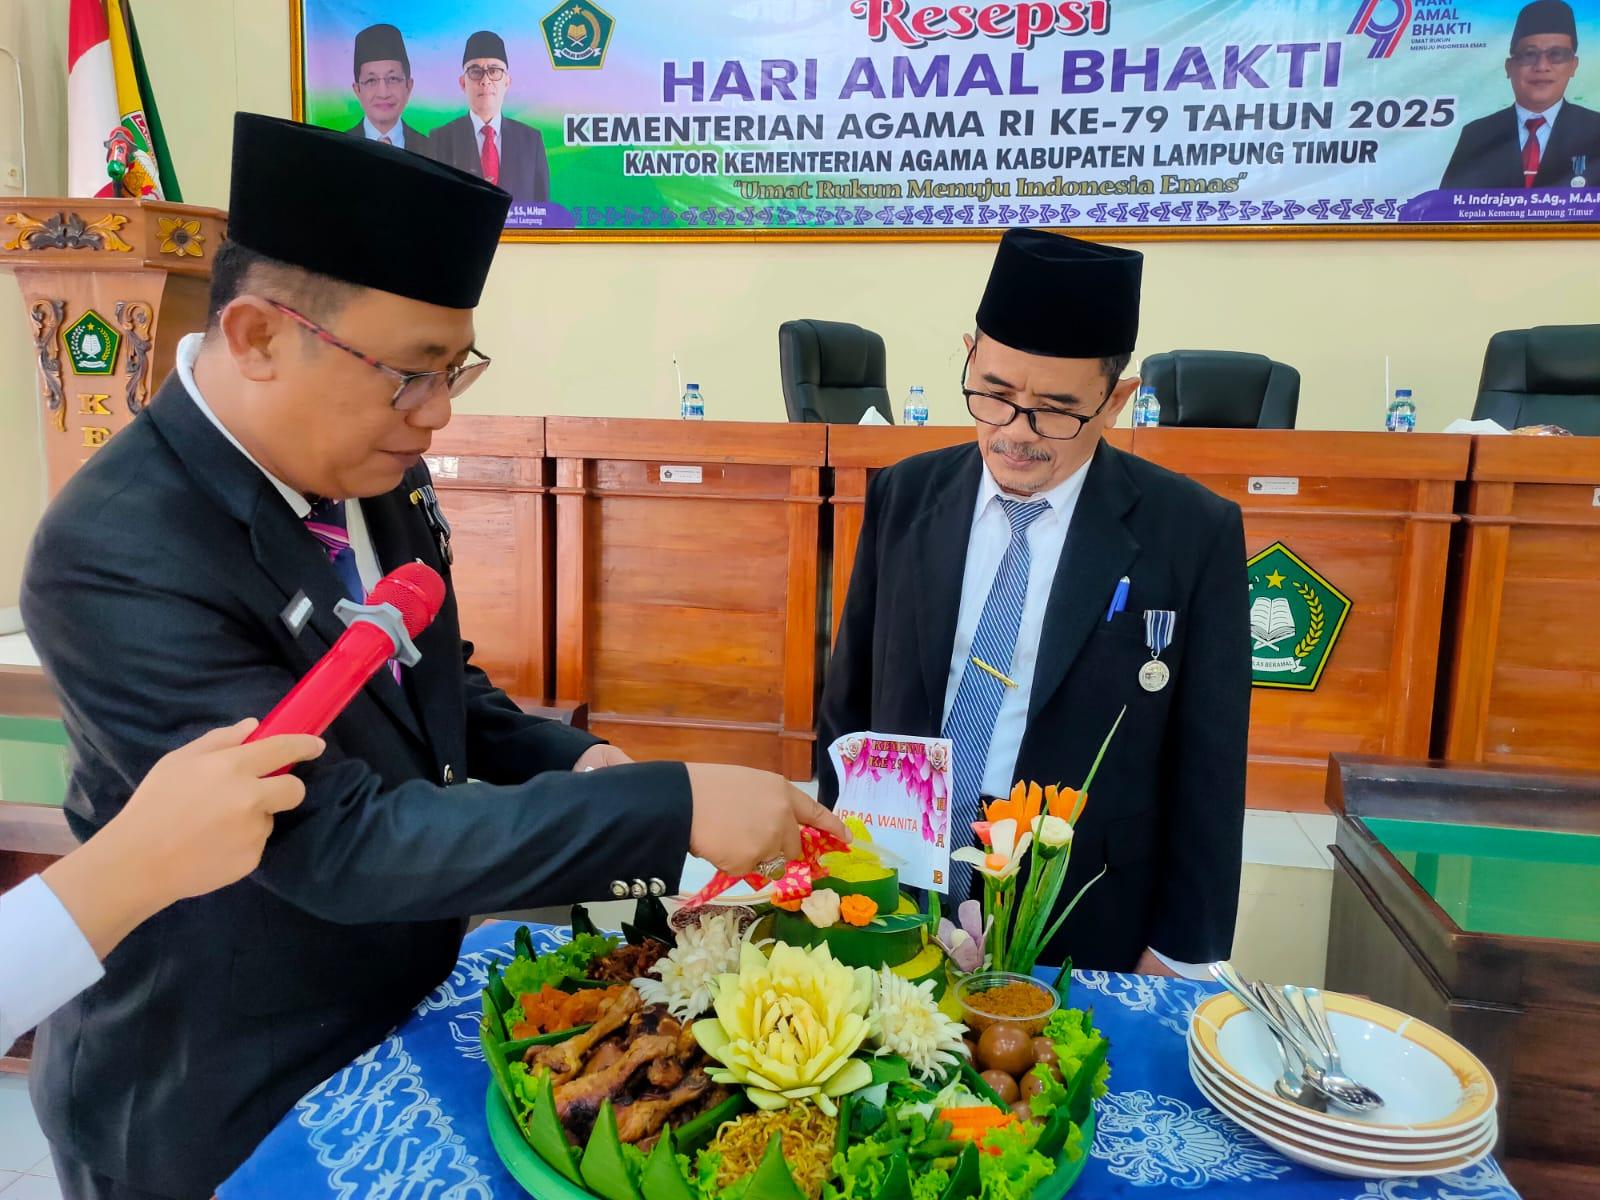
[
  {"x": 1291, "y": 1085},
  {"x": 1225, "y": 974},
  {"x": 1338, "y": 1086}
]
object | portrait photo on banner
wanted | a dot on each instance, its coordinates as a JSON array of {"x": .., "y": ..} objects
[{"x": 878, "y": 119}]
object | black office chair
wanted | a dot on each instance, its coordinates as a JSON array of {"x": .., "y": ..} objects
[
  {"x": 832, "y": 372},
  {"x": 1547, "y": 375},
  {"x": 1223, "y": 389}
]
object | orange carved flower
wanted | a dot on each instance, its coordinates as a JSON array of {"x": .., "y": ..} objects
[{"x": 857, "y": 910}]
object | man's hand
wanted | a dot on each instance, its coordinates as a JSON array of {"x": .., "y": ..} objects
[
  {"x": 1149, "y": 964},
  {"x": 198, "y": 822},
  {"x": 744, "y": 817},
  {"x": 596, "y": 757}
]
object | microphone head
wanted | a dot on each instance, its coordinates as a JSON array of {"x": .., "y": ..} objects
[{"x": 416, "y": 590}]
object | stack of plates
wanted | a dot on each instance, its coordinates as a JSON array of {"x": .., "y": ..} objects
[{"x": 1438, "y": 1114}]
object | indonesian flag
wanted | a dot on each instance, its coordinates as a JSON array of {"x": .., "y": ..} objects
[
  {"x": 92, "y": 111},
  {"x": 115, "y": 143}
]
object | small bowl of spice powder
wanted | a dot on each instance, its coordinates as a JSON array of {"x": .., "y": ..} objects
[{"x": 992, "y": 996}]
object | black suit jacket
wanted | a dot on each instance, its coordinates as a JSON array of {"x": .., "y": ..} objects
[
  {"x": 1166, "y": 811},
  {"x": 416, "y": 141},
  {"x": 153, "y": 591},
  {"x": 1489, "y": 151},
  {"x": 523, "y": 169}
]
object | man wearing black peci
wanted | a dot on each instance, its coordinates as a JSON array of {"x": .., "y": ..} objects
[
  {"x": 1543, "y": 139},
  {"x": 986, "y": 605},
  {"x": 281, "y": 462},
  {"x": 484, "y": 141}
]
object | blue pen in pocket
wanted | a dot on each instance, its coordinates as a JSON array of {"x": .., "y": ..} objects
[{"x": 1119, "y": 598}]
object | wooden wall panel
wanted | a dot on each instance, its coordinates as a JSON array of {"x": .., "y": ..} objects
[
  {"x": 1524, "y": 657},
  {"x": 493, "y": 483},
  {"x": 686, "y": 563}
]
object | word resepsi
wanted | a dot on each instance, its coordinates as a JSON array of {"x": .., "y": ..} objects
[{"x": 1024, "y": 22}]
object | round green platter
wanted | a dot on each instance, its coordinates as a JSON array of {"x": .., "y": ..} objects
[{"x": 541, "y": 1180}]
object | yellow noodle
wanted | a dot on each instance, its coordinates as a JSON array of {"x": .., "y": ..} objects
[{"x": 808, "y": 1139}]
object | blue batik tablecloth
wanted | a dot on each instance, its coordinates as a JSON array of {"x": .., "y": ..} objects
[{"x": 405, "y": 1121}]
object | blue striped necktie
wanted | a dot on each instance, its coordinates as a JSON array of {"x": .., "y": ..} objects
[
  {"x": 328, "y": 523},
  {"x": 970, "y": 726}
]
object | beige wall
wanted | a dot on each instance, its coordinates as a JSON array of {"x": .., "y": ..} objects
[{"x": 592, "y": 329}]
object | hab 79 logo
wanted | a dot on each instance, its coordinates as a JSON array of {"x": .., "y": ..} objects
[{"x": 1384, "y": 21}]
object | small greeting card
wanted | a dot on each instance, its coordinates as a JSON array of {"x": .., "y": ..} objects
[{"x": 900, "y": 787}]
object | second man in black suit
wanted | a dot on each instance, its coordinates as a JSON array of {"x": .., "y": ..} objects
[
  {"x": 484, "y": 140},
  {"x": 985, "y": 605},
  {"x": 1543, "y": 139}
]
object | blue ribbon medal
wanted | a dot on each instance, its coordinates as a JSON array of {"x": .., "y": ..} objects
[{"x": 1158, "y": 625}]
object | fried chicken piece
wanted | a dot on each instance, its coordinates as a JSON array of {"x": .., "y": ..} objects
[
  {"x": 590, "y": 1088},
  {"x": 565, "y": 1059},
  {"x": 665, "y": 1074},
  {"x": 645, "y": 1116},
  {"x": 606, "y": 1053}
]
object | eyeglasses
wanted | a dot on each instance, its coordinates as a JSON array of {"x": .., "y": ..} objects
[
  {"x": 372, "y": 81},
  {"x": 1049, "y": 423},
  {"x": 413, "y": 389},
  {"x": 1528, "y": 59},
  {"x": 476, "y": 74}
]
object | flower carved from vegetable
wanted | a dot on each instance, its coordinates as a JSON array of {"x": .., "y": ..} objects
[
  {"x": 857, "y": 910},
  {"x": 906, "y": 1021},
  {"x": 181, "y": 236},
  {"x": 786, "y": 1028},
  {"x": 822, "y": 908},
  {"x": 686, "y": 979},
  {"x": 1006, "y": 852},
  {"x": 965, "y": 943}
]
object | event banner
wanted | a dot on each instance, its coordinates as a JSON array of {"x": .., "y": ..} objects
[{"x": 719, "y": 116}]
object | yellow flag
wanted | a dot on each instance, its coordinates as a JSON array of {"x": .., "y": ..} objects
[{"x": 141, "y": 174}]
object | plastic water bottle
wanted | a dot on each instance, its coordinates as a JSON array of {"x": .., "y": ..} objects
[
  {"x": 1401, "y": 416},
  {"x": 693, "y": 405},
  {"x": 1146, "y": 408},
  {"x": 916, "y": 409}
]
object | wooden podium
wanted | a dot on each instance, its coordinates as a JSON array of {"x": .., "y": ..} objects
[{"x": 109, "y": 286}]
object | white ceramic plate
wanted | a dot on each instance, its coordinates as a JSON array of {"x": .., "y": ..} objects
[
  {"x": 1432, "y": 1086},
  {"x": 1364, "y": 1143},
  {"x": 1353, "y": 1167}
]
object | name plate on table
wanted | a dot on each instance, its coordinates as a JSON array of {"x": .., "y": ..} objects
[
  {"x": 1274, "y": 485},
  {"x": 682, "y": 474},
  {"x": 900, "y": 787}
]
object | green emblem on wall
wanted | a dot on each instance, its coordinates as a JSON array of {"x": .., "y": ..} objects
[
  {"x": 577, "y": 34},
  {"x": 1295, "y": 619},
  {"x": 92, "y": 345}
]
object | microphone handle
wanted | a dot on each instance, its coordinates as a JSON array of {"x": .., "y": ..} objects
[{"x": 331, "y": 684}]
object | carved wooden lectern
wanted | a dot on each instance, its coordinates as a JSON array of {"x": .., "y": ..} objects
[{"x": 109, "y": 286}]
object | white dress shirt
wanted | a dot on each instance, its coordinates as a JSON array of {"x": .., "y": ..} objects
[
  {"x": 1524, "y": 116},
  {"x": 396, "y": 136},
  {"x": 355, "y": 523},
  {"x": 1047, "y": 537},
  {"x": 44, "y": 958},
  {"x": 477, "y": 131}
]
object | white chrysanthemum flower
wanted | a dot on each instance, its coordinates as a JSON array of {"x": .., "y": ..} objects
[
  {"x": 686, "y": 979},
  {"x": 906, "y": 1021}
]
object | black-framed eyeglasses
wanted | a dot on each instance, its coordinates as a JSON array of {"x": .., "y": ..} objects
[
  {"x": 412, "y": 389},
  {"x": 1053, "y": 424},
  {"x": 1557, "y": 56},
  {"x": 476, "y": 73}
]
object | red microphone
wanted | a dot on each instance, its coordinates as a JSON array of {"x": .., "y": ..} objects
[{"x": 402, "y": 604}]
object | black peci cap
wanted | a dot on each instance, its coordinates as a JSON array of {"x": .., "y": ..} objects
[
  {"x": 485, "y": 44},
  {"x": 362, "y": 212},
  {"x": 380, "y": 43},
  {"x": 1545, "y": 16},
  {"x": 1055, "y": 295}
]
